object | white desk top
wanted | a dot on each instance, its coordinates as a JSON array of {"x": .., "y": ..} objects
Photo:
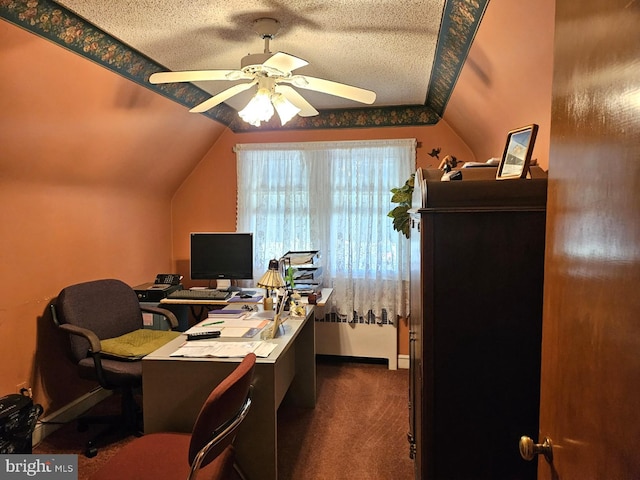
[
  {"x": 291, "y": 326},
  {"x": 326, "y": 293}
]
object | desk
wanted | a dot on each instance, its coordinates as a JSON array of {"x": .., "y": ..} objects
[
  {"x": 205, "y": 305},
  {"x": 176, "y": 304},
  {"x": 175, "y": 389},
  {"x": 326, "y": 293}
]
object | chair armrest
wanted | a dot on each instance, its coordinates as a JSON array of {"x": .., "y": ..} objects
[
  {"x": 170, "y": 316},
  {"x": 92, "y": 338},
  {"x": 94, "y": 348}
]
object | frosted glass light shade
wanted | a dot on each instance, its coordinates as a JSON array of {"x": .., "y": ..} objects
[
  {"x": 259, "y": 109},
  {"x": 286, "y": 110}
]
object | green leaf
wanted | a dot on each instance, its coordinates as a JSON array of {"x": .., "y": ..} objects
[
  {"x": 402, "y": 197},
  {"x": 400, "y": 214}
]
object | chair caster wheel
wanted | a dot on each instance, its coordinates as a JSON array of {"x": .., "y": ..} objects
[{"x": 91, "y": 452}]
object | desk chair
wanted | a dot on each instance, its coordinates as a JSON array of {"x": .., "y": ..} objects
[
  {"x": 208, "y": 451},
  {"x": 95, "y": 314}
]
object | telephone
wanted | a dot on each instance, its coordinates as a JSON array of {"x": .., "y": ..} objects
[{"x": 168, "y": 279}]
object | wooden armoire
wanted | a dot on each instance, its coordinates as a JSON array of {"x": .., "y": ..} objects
[{"x": 477, "y": 268}]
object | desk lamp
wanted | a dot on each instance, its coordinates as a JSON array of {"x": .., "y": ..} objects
[{"x": 271, "y": 280}]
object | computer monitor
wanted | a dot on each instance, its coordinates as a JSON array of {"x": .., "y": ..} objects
[{"x": 222, "y": 256}]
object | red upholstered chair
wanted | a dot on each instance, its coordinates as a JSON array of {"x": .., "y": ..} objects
[{"x": 207, "y": 452}]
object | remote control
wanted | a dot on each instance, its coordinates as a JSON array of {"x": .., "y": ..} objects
[{"x": 203, "y": 335}]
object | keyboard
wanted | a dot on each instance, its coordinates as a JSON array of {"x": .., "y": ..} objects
[{"x": 200, "y": 294}]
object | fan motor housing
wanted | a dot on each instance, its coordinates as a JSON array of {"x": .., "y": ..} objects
[
  {"x": 266, "y": 27},
  {"x": 254, "y": 59}
]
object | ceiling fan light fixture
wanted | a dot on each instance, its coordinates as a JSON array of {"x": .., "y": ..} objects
[
  {"x": 259, "y": 109},
  {"x": 270, "y": 71},
  {"x": 286, "y": 110}
]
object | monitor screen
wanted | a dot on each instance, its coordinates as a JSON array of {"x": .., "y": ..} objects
[{"x": 219, "y": 255}]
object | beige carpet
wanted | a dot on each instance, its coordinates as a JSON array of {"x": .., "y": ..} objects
[{"x": 358, "y": 429}]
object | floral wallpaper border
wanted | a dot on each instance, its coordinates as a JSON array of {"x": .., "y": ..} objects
[{"x": 461, "y": 19}]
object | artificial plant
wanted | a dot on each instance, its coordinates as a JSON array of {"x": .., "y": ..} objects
[{"x": 400, "y": 214}]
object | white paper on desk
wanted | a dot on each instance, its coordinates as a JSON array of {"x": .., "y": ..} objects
[
  {"x": 212, "y": 348},
  {"x": 233, "y": 332},
  {"x": 264, "y": 315},
  {"x": 221, "y": 325}
]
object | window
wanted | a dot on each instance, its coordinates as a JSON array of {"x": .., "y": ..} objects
[{"x": 333, "y": 197}]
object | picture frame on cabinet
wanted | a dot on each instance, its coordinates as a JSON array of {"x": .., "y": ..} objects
[{"x": 516, "y": 156}]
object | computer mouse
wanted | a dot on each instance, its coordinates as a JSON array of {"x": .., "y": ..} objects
[{"x": 245, "y": 295}]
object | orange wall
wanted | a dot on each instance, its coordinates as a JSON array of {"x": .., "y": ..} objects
[
  {"x": 88, "y": 164},
  {"x": 506, "y": 80}
]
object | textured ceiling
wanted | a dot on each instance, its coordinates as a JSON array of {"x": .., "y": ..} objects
[
  {"x": 384, "y": 46},
  {"x": 410, "y": 53}
]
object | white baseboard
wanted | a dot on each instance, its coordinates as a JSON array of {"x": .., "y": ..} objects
[
  {"x": 403, "y": 361},
  {"x": 67, "y": 414}
]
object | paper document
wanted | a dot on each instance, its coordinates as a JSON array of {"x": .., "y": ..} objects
[
  {"x": 230, "y": 327},
  {"x": 264, "y": 315},
  {"x": 213, "y": 348},
  {"x": 231, "y": 332}
]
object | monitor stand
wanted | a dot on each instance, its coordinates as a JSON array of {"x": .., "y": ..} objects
[{"x": 225, "y": 286}]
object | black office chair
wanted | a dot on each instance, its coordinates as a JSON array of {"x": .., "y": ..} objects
[{"x": 99, "y": 313}]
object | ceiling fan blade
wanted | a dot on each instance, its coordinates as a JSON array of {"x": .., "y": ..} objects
[
  {"x": 285, "y": 62},
  {"x": 306, "y": 109},
  {"x": 221, "y": 97},
  {"x": 333, "y": 88},
  {"x": 196, "y": 76}
]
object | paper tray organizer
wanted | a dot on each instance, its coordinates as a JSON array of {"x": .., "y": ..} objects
[{"x": 307, "y": 270}]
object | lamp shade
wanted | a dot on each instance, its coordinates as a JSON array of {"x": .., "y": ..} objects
[
  {"x": 259, "y": 109},
  {"x": 272, "y": 278},
  {"x": 286, "y": 110}
]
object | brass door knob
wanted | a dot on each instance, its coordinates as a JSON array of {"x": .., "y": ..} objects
[{"x": 529, "y": 449}]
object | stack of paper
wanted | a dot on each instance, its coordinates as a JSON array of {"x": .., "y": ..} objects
[
  {"x": 206, "y": 348},
  {"x": 230, "y": 327}
]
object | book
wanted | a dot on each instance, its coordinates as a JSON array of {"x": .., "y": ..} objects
[{"x": 224, "y": 313}]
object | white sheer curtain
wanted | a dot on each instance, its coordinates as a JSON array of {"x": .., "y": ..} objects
[{"x": 333, "y": 197}]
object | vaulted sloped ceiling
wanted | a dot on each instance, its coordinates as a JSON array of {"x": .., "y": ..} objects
[{"x": 458, "y": 25}]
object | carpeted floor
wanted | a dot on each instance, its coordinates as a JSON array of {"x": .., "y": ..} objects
[{"x": 358, "y": 429}]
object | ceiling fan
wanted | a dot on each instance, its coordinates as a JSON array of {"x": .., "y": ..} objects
[{"x": 272, "y": 73}]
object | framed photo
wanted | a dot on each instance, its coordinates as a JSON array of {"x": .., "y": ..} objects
[{"x": 517, "y": 153}]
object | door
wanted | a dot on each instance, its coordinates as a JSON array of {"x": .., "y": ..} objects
[{"x": 590, "y": 383}]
